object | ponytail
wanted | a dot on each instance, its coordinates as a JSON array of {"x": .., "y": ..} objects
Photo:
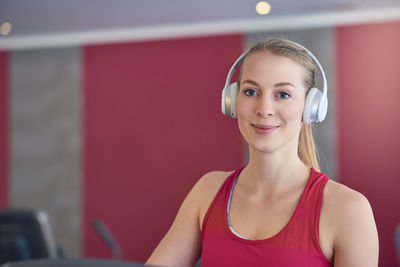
[{"x": 307, "y": 149}]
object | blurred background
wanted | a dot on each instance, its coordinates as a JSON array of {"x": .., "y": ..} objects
[{"x": 110, "y": 110}]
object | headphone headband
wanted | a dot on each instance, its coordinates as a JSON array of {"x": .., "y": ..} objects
[{"x": 235, "y": 65}]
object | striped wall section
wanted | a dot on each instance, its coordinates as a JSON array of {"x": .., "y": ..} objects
[
  {"x": 45, "y": 138},
  {"x": 4, "y": 136},
  {"x": 121, "y": 132}
]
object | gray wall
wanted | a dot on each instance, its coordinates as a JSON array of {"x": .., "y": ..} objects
[
  {"x": 45, "y": 133},
  {"x": 321, "y": 42}
]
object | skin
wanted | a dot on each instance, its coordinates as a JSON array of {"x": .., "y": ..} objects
[{"x": 270, "y": 111}]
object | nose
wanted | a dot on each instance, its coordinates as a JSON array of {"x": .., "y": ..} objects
[{"x": 265, "y": 107}]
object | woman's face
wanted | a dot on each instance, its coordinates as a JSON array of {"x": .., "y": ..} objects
[{"x": 270, "y": 102}]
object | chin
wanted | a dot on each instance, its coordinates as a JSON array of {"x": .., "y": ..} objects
[
  {"x": 265, "y": 146},
  {"x": 272, "y": 145}
]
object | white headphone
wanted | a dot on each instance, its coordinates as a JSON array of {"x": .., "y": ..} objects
[{"x": 316, "y": 105}]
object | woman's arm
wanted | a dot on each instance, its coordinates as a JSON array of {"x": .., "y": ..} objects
[
  {"x": 355, "y": 241},
  {"x": 181, "y": 246}
]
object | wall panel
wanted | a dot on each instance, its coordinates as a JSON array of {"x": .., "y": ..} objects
[
  {"x": 368, "y": 80},
  {"x": 153, "y": 127}
]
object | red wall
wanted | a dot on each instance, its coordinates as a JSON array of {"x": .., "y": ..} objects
[
  {"x": 152, "y": 127},
  {"x": 3, "y": 129},
  {"x": 368, "y": 91}
]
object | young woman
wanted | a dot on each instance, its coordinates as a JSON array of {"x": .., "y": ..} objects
[{"x": 278, "y": 210}]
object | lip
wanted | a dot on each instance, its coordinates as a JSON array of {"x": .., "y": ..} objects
[{"x": 264, "y": 129}]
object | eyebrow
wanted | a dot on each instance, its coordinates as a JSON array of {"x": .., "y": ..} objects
[{"x": 277, "y": 84}]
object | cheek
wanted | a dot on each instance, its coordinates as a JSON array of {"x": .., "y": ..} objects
[
  {"x": 243, "y": 115},
  {"x": 293, "y": 112},
  {"x": 243, "y": 109}
]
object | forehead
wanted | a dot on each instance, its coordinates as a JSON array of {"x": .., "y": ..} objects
[{"x": 268, "y": 67}]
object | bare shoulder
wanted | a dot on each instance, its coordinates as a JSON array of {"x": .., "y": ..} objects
[
  {"x": 207, "y": 188},
  {"x": 345, "y": 207},
  {"x": 207, "y": 184},
  {"x": 343, "y": 197},
  {"x": 346, "y": 202},
  {"x": 203, "y": 192},
  {"x": 352, "y": 226},
  {"x": 212, "y": 180}
]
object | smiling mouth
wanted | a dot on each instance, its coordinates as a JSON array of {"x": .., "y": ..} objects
[{"x": 264, "y": 129}]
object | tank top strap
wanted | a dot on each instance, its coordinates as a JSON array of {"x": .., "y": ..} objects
[
  {"x": 222, "y": 194},
  {"x": 310, "y": 208}
]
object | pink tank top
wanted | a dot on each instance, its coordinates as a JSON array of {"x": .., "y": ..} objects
[{"x": 297, "y": 244}]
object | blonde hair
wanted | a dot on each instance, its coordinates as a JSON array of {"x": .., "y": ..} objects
[{"x": 307, "y": 150}]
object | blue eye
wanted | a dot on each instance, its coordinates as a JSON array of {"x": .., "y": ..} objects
[
  {"x": 250, "y": 92},
  {"x": 283, "y": 95}
]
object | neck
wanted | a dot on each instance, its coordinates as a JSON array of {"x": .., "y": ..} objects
[{"x": 275, "y": 171}]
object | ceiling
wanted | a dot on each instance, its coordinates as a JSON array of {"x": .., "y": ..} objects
[
  {"x": 35, "y": 18},
  {"x": 32, "y": 17}
]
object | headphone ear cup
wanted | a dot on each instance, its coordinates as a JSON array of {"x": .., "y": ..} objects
[
  {"x": 311, "y": 108},
  {"x": 223, "y": 101},
  {"x": 228, "y": 101},
  {"x": 322, "y": 108}
]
